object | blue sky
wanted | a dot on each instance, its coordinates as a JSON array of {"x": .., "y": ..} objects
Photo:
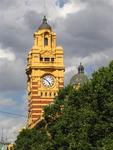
[
  {"x": 83, "y": 28},
  {"x": 61, "y": 2},
  {"x": 18, "y": 99}
]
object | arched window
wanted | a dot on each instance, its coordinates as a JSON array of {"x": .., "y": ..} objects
[
  {"x": 45, "y": 93},
  {"x": 45, "y": 41},
  {"x": 41, "y": 94},
  {"x": 41, "y": 58}
]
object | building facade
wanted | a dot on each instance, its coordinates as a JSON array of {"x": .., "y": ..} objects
[{"x": 45, "y": 72}]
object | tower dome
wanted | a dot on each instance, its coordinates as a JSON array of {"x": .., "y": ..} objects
[
  {"x": 44, "y": 24},
  {"x": 79, "y": 78}
]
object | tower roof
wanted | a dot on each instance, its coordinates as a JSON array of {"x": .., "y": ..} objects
[{"x": 44, "y": 24}]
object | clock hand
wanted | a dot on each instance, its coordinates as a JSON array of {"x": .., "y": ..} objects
[{"x": 47, "y": 81}]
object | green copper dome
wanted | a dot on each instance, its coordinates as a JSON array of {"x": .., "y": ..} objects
[
  {"x": 80, "y": 77},
  {"x": 44, "y": 24}
]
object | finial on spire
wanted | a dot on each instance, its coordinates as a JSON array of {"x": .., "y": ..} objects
[
  {"x": 44, "y": 24},
  {"x": 80, "y": 68},
  {"x": 44, "y": 19}
]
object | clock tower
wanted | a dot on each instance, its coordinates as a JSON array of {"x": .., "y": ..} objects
[{"x": 45, "y": 72}]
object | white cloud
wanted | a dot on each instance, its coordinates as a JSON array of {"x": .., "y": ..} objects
[
  {"x": 12, "y": 121},
  {"x": 53, "y": 11},
  {"x": 71, "y": 7},
  {"x": 7, "y": 54},
  {"x": 11, "y": 127},
  {"x": 94, "y": 59}
]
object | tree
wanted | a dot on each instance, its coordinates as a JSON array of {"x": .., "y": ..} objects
[{"x": 78, "y": 120}]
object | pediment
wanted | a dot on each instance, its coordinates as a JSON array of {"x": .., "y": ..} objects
[{"x": 47, "y": 53}]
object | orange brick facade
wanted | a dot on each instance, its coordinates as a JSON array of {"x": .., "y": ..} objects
[{"x": 45, "y": 72}]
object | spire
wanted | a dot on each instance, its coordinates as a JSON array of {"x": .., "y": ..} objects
[
  {"x": 44, "y": 24},
  {"x": 44, "y": 20},
  {"x": 80, "y": 68}
]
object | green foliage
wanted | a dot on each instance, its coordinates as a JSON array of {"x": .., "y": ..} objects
[
  {"x": 78, "y": 120},
  {"x": 30, "y": 139}
]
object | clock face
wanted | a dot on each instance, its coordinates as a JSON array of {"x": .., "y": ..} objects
[{"x": 48, "y": 80}]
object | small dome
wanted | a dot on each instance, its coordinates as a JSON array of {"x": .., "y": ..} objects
[
  {"x": 80, "y": 77},
  {"x": 44, "y": 24}
]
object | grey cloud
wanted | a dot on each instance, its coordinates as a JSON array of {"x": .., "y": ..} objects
[
  {"x": 14, "y": 37},
  {"x": 5, "y": 4},
  {"x": 12, "y": 76},
  {"x": 94, "y": 2},
  {"x": 83, "y": 33},
  {"x": 88, "y": 31},
  {"x": 19, "y": 39},
  {"x": 32, "y": 20}
]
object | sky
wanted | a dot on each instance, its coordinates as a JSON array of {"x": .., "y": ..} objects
[{"x": 84, "y": 29}]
